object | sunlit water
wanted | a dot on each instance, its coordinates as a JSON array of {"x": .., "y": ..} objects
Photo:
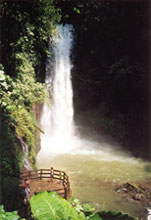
[
  {"x": 94, "y": 168},
  {"x": 94, "y": 177}
]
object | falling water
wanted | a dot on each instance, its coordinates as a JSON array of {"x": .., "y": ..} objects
[
  {"x": 94, "y": 167},
  {"x": 62, "y": 94},
  {"x": 57, "y": 119}
]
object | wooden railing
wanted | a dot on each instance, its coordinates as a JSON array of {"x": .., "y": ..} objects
[{"x": 45, "y": 174}]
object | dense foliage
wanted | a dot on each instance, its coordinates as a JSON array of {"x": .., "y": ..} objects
[
  {"x": 8, "y": 215},
  {"x": 26, "y": 28},
  {"x": 51, "y": 206},
  {"x": 111, "y": 68}
]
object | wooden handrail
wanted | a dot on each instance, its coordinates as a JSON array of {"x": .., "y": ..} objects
[{"x": 45, "y": 173}]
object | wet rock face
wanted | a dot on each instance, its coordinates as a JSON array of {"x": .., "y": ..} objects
[
  {"x": 24, "y": 149},
  {"x": 26, "y": 165},
  {"x": 37, "y": 111}
]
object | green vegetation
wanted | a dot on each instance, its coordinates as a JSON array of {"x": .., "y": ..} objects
[
  {"x": 26, "y": 29},
  {"x": 8, "y": 215},
  {"x": 50, "y": 206},
  {"x": 17, "y": 99}
]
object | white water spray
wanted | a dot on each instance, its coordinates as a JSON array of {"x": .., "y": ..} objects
[
  {"x": 62, "y": 111},
  {"x": 57, "y": 119},
  {"x": 99, "y": 162}
]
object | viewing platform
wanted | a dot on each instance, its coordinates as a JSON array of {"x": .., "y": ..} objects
[{"x": 39, "y": 181}]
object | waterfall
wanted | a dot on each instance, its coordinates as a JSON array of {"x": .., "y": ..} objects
[
  {"x": 57, "y": 116},
  {"x": 62, "y": 111},
  {"x": 57, "y": 119},
  {"x": 89, "y": 163}
]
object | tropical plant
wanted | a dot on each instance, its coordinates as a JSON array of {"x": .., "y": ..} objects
[
  {"x": 8, "y": 215},
  {"x": 86, "y": 208},
  {"x": 50, "y": 206}
]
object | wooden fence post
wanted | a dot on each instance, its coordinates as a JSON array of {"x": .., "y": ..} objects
[
  {"x": 65, "y": 193},
  {"x": 40, "y": 174},
  {"x": 43, "y": 173},
  {"x": 29, "y": 174}
]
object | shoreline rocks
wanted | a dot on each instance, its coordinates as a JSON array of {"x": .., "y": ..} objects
[{"x": 137, "y": 192}]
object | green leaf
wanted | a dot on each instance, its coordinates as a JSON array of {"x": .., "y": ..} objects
[
  {"x": 95, "y": 217},
  {"x": 1, "y": 209},
  {"x": 2, "y": 216},
  {"x": 50, "y": 206},
  {"x": 1, "y": 67},
  {"x": 76, "y": 10},
  {"x": 2, "y": 77},
  {"x": 8, "y": 215},
  {"x": 12, "y": 215},
  {"x": 88, "y": 207}
]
